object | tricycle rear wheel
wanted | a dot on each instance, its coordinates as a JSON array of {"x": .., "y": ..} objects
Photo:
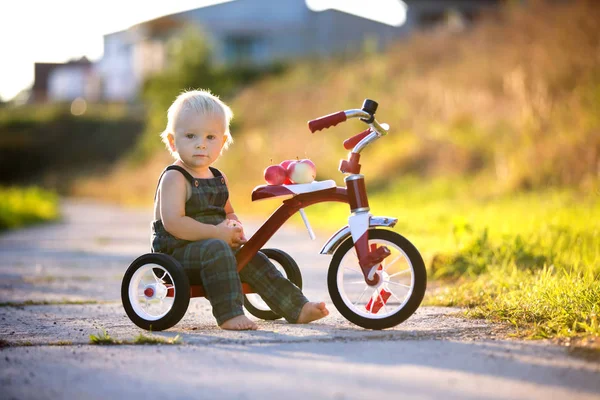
[
  {"x": 288, "y": 267},
  {"x": 155, "y": 292}
]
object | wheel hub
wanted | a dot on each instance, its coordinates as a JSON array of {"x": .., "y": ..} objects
[
  {"x": 155, "y": 290},
  {"x": 383, "y": 278},
  {"x": 149, "y": 292}
]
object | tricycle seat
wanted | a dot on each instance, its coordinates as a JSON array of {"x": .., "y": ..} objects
[{"x": 269, "y": 191}]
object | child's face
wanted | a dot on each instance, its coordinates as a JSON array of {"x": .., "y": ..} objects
[{"x": 198, "y": 139}]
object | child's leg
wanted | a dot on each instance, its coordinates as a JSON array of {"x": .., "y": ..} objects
[
  {"x": 214, "y": 260},
  {"x": 281, "y": 295}
]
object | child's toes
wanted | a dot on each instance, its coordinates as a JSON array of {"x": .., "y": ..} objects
[
  {"x": 321, "y": 306},
  {"x": 311, "y": 312}
]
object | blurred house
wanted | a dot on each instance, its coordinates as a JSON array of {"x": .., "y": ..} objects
[
  {"x": 445, "y": 14},
  {"x": 257, "y": 32},
  {"x": 54, "y": 82}
]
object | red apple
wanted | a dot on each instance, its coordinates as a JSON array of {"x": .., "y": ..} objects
[
  {"x": 302, "y": 171},
  {"x": 285, "y": 165},
  {"x": 275, "y": 174}
]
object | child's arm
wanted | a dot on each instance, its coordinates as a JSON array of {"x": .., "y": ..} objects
[{"x": 173, "y": 195}]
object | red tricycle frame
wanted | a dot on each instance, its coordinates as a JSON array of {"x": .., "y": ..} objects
[{"x": 272, "y": 225}]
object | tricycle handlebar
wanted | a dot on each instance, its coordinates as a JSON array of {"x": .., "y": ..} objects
[
  {"x": 333, "y": 119},
  {"x": 326, "y": 121},
  {"x": 353, "y": 141},
  {"x": 366, "y": 114}
]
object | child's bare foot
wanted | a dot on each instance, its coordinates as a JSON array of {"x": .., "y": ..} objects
[
  {"x": 239, "y": 323},
  {"x": 312, "y": 311}
]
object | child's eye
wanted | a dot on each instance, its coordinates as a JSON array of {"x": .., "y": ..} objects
[
  {"x": 190, "y": 135},
  {"x": 211, "y": 137}
]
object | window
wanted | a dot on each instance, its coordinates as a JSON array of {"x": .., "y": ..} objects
[{"x": 242, "y": 49}]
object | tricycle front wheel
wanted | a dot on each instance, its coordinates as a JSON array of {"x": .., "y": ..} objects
[{"x": 397, "y": 295}]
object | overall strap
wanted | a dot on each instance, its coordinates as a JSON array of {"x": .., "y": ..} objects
[
  {"x": 187, "y": 175},
  {"x": 215, "y": 172}
]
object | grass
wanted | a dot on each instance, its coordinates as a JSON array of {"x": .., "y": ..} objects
[
  {"x": 61, "y": 343},
  {"x": 24, "y": 206},
  {"x": 47, "y": 303},
  {"x": 530, "y": 259},
  {"x": 50, "y": 279},
  {"x": 143, "y": 339},
  {"x": 546, "y": 303},
  {"x": 103, "y": 338}
]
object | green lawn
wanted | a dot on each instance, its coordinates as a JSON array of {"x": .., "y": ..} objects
[{"x": 531, "y": 259}]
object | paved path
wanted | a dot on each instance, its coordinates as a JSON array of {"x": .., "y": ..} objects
[{"x": 435, "y": 354}]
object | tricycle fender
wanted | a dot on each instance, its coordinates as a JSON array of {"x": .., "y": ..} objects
[{"x": 337, "y": 238}]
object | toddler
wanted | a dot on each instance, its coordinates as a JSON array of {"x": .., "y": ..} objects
[{"x": 194, "y": 221}]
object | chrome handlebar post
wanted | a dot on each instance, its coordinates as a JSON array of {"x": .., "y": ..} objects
[
  {"x": 370, "y": 138},
  {"x": 377, "y": 130},
  {"x": 357, "y": 114}
]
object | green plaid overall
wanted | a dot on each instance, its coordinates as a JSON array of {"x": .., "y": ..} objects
[{"x": 212, "y": 263}]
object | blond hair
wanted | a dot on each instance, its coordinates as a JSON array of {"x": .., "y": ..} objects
[{"x": 202, "y": 102}]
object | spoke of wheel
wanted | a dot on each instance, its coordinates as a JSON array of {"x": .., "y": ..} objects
[
  {"x": 354, "y": 270},
  {"x": 398, "y": 273},
  {"x": 156, "y": 278},
  {"x": 398, "y": 284},
  {"x": 354, "y": 255},
  {"x": 355, "y": 282},
  {"x": 396, "y": 297},
  {"x": 392, "y": 263},
  {"x": 361, "y": 295}
]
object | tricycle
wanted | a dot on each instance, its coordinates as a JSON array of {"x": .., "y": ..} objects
[{"x": 376, "y": 277}]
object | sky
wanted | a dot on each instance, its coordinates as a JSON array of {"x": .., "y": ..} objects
[{"x": 61, "y": 30}]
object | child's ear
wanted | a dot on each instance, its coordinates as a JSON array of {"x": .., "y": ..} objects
[{"x": 171, "y": 140}]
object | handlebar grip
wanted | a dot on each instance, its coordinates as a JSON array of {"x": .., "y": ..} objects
[
  {"x": 326, "y": 121},
  {"x": 353, "y": 141}
]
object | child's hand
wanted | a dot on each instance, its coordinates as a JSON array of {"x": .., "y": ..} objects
[
  {"x": 233, "y": 222},
  {"x": 242, "y": 238},
  {"x": 233, "y": 235}
]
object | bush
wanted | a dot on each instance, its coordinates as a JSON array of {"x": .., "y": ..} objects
[
  {"x": 24, "y": 206},
  {"x": 48, "y": 145}
]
